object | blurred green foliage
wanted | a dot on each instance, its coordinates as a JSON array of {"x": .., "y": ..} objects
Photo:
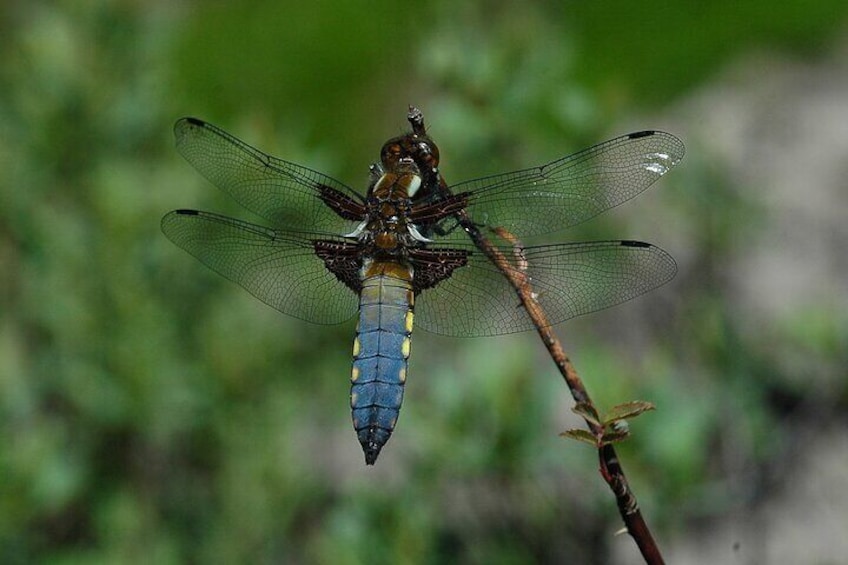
[{"x": 153, "y": 412}]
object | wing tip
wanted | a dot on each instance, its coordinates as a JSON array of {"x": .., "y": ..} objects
[
  {"x": 193, "y": 121},
  {"x": 167, "y": 222},
  {"x": 670, "y": 263},
  {"x": 185, "y": 123},
  {"x": 673, "y": 141}
]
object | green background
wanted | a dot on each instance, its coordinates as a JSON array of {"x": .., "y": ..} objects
[{"x": 154, "y": 412}]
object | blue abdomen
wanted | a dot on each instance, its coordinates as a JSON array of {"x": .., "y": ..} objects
[{"x": 380, "y": 354}]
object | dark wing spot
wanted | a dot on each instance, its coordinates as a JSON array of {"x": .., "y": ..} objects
[
  {"x": 628, "y": 243},
  {"x": 638, "y": 134},
  {"x": 341, "y": 259},
  {"x": 435, "y": 265}
]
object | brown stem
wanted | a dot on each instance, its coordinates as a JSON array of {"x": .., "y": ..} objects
[
  {"x": 610, "y": 466},
  {"x": 516, "y": 274}
]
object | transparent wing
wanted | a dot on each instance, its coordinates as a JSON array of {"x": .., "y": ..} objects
[
  {"x": 279, "y": 268},
  {"x": 282, "y": 270},
  {"x": 572, "y": 189},
  {"x": 569, "y": 280},
  {"x": 286, "y": 194}
]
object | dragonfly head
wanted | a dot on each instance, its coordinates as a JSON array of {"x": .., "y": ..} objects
[{"x": 413, "y": 150}]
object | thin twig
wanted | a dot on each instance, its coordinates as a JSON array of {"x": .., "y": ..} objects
[
  {"x": 610, "y": 466},
  {"x": 516, "y": 274}
]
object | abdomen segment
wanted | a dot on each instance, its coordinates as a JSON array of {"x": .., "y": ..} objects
[{"x": 380, "y": 354}]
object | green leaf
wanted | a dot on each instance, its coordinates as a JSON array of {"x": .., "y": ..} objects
[
  {"x": 587, "y": 412},
  {"x": 581, "y": 435},
  {"x": 615, "y": 436},
  {"x": 627, "y": 410}
]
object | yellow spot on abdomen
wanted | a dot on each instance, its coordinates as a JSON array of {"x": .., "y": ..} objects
[
  {"x": 409, "y": 318},
  {"x": 354, "y": 374},
  {"x": 353, "y": 398},
  {"x": 356, "y": 347},
  {"x": 402, "y": 375},
  {"x": 404, "y": 349}
]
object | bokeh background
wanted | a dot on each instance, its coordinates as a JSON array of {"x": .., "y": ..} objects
[{"x": 154, "y": 412}]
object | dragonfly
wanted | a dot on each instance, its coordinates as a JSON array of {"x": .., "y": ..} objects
[{"x": 400, "y": 254}]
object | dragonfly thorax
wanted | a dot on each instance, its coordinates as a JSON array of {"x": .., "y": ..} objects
[
  {"x": 417, "y": 148},
  {"x": 388, "y": 226}
]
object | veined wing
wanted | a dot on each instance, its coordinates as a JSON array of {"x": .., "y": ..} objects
[
  {"x": 572, "y": 189},
  {"x": 278, "y": 267},
  {"x": 568, "y": 279},
  {"x": 286, "y": 194}
]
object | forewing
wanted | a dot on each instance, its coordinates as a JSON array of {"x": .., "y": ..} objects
[
  {"x": 567, "y": 280},
  {"x": 279, "y": 268},
  {"x": 572, "y": 189},
  {"x": 286, "y": 194}
]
